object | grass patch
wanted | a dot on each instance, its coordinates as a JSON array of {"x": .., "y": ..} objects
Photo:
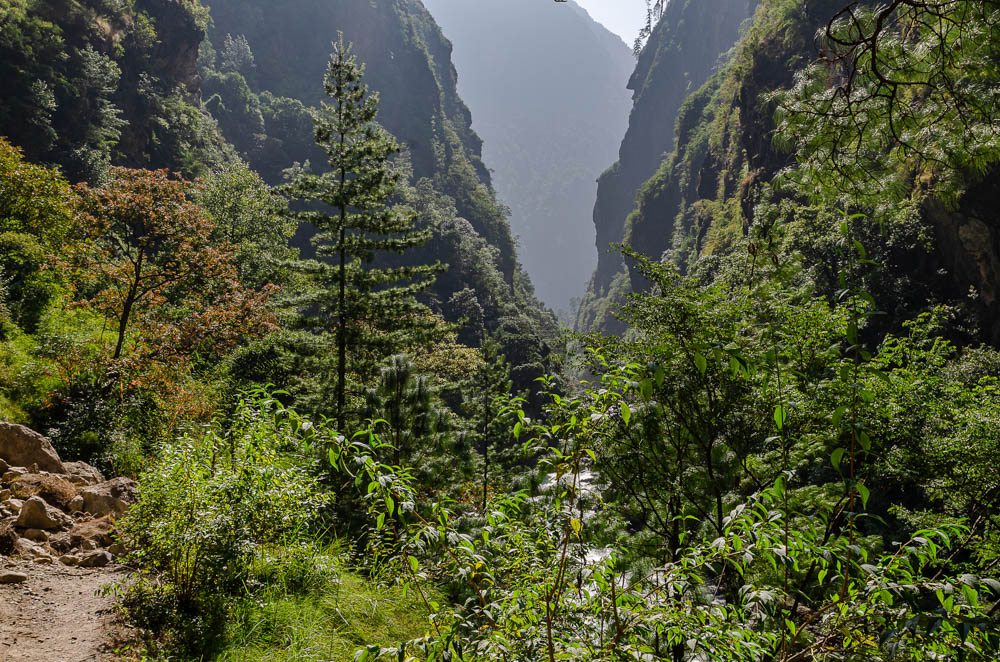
[{"x": 325, "y": 621}]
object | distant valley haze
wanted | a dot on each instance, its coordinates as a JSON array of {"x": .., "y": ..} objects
[{"x": 546, "y": 86}]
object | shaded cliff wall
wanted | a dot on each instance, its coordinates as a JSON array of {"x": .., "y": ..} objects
[
  {"x": 89, "y": 83},
  {"x": 407, "y": 60},
  {"x": 680, "y": 55},
  {"x": 715, "y": 193}
]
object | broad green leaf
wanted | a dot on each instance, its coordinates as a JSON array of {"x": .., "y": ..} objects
[
  {"x": 646, "y": 388},
  {"x": 837, "y": 456},
  {"x": 865, "y": 493},
  {"x": 838, "y": 415},
  {"x": 780, "y": 416}
]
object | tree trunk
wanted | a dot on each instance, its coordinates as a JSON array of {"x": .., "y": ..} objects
[
  {"x": 342, "y": 335},
  {"x": 342, "y": 304},
  {"x": 130, "y": 298}
]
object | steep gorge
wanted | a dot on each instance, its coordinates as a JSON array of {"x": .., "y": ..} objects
[
  {"x": 546, "y": 85},
  {"x": 718, "y": 190},
  {"x": 684, "y": 48}
]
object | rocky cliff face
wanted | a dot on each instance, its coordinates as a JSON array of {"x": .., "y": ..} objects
[
  {"x": 546, "y": 85},
  {"x": 160, "y": 92},
  {"x": 680, "y": 55},
  {"x": 967, "y": 250},
  {"x": 705, "y": 199}
]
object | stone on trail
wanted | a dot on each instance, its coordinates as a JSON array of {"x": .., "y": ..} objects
[
  {"x": 12, "y": 578},
  {"x": 20, "y": 446},
  {"x": 36, "y": 514},
  {"x": 69, "y": 559},
  {"x": 36, "y": 535},
  {"x": 96, "y": 559}
]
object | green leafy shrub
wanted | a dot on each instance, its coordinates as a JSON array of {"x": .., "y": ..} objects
[
  {"x": 91, "y": 418},
  {"x": 30, "y": 287},
  {"x": 4, "y": 310},
  {"x": 209, "y": 504}
]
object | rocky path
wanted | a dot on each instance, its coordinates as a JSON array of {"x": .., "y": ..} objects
[{"x": 56, "y": 614}]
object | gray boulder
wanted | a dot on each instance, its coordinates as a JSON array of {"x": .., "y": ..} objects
[
  {"x": 12, "y": 474},
  {"x": 81, "y": 473},
  {"x": 30, "y": 550},
  {"x": 61, "y": 542},
  {"x": 112, "y": 497},
  {"x": 20, "y": 446},
  {"x": 96, "y": 532},
  {"x": 36, "y": 514}
]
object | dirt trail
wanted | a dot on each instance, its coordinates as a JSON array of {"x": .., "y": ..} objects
[{"x": 55, "y": 615}]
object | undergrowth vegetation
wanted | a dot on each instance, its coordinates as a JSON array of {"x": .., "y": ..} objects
[{"x": 735, "y": 483}]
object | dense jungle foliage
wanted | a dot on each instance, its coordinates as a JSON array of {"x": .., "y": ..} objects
[{"x": 347, "y": 450}]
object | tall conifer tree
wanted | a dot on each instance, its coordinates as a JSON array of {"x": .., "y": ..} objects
[
  {"x": 491, "y": 428},
  {"x": 373, "y": 310}
]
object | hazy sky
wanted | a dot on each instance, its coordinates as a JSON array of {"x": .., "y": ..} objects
[{"x": 623, "y": 17}]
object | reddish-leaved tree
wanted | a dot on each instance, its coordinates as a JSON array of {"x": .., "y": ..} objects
[{"x": 154, "y": 272}]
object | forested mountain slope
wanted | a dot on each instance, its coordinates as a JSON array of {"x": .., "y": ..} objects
[
  {"x": 89, "y": 82},
  {"x": 263, "y": 69},
  {"x": 92, "y": 83},
  {"x": 546, "y": 85},
  {"x": 720, "y": 188},
  {"x": 685, "y": 46}
]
